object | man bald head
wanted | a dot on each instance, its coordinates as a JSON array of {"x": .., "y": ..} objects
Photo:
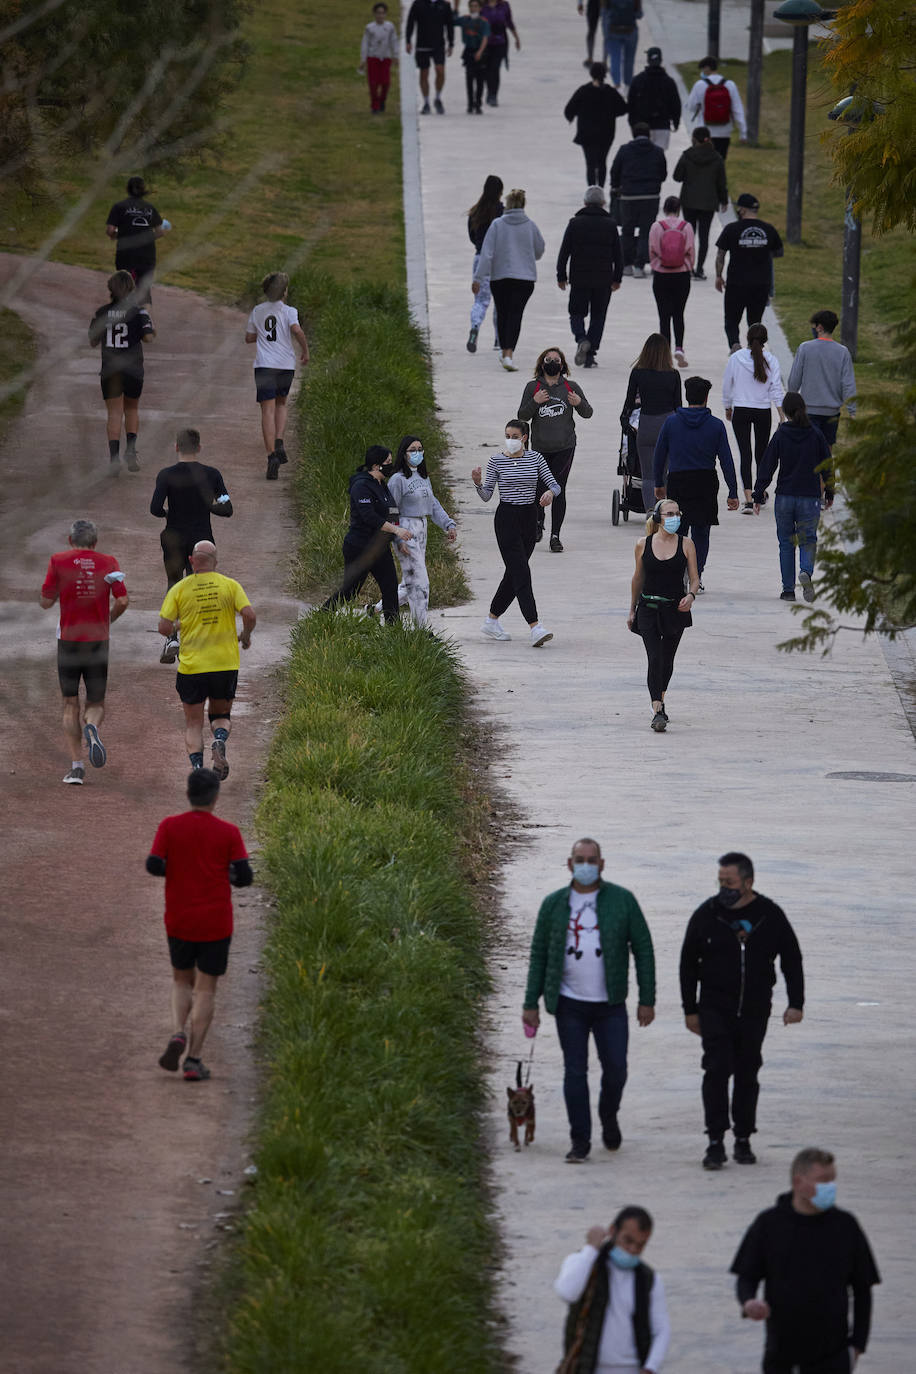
[{"x": 203, "y": 556}]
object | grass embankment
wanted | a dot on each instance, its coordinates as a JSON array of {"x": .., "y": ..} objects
[
  {"x": 809, "y": 277},
  {"x": 367, "y": 1246},
  {"x": 17, "y": 349}
]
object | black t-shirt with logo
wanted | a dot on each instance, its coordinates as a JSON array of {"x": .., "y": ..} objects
[
  {"x": 120, "y": 330},
  {"x": 750, "y": 244},
  {"x": 135, "y": 220}
]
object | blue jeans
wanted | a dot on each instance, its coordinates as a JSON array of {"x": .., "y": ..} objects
[
  {"x": 620, "y": 51},
  {"x": 608, "y": 1024},
  {"x": 797, "y": 519}
]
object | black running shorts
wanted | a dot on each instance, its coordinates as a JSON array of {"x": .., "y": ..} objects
[
  {"x": 272, "y": 382},
  {"x": 210, "y": 956},
  {"x": 129, "y": 384},
  {"x": 426, "y": 55},
  {"x": 195, "y": 688},
  {"x": 83, "y": 659}
]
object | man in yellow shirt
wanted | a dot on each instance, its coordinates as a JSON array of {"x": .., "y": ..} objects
[{"x": 206, "y": 604}]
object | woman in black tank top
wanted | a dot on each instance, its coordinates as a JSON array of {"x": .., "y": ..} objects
[{"x": 659, "y": 606}]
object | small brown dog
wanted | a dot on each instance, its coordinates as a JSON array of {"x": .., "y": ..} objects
[{"x": 520, "y": 1110}]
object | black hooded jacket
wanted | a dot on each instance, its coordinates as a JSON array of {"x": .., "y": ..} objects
[
  {"x": 371, "y": 506},
  {"x": 737, "y": 975},
  {"x": 701, "y": 171},
  {"x": 798, "y": 451},
  {"x": 653, "y": 99},
  {"x": 591, "y": 248},
  {"x": 595, "y": 110}
]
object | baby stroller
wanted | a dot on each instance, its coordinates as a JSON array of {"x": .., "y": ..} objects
[{"x": 629, "y": 498}]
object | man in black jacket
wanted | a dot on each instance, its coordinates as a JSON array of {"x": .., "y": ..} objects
[
  {"x": 595, "y": 107},
  {"x": 653, "y": 99},
  {"x": 433, "y": 20},
  {"x": 637, "y": 174},
  {"x": 591, "y": 249},
  {"x": 730, "y": 950},
  {"x": 808, "y": 1255}
]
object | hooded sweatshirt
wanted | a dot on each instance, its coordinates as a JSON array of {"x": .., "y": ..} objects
[
  {"x": 653, "y": 99},
  {"x": 807, "y": 1265},
  {"x": 736, "y": 972},
  {"x": 511, "y": 248},
  {"x": 702, "y": 171},
  {"x": 371, "y": 506},
  {"x": 798, "y": 451},
  {"x": 691, "y": 440},
  {"x": 741, "y": 388}
]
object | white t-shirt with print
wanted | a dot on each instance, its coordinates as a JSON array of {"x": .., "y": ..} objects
[
  {"x": 272, "y": 321},
  {"x": 583, "y": 965}
]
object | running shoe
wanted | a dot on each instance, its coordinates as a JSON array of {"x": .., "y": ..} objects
[
  {"x": 659, "y": 722},
  {"x": 714, "y": 1158},
  {"x": 218, "y": 761},
  {"x": 76, "y": 775},
  {"x": 195, "y": 1071},
  {"x": 508, "y": 363},
  {"x": 787, "y": 596},
  {"x": 582, "y": 352},
  {"x": 280, "y": 451},
  {"x": 539, "y": 636},
  {"x": 742, "y": 1153},
  {"x": 132, "y": 461},
  {"x": 555, "y": 545},
  {"x": 471, "y": 344},
  {"x": 747, "y": 508},
  {"x": 680, "y": 358},
  {"x": 577, "y": 1155},
  {"x": 438, "y": 106},
  {"x": 425, "y": 109},
  {"x": 97, "y": 751},
  {"x": 273, "y": 467},
  {"x": 170, "y": 651},
  {"x": 493, "y": 630},
  {"x": 699, "y": 274},
  {"x": 171, "y": 1057},
  {"x": 807, "y": 585}
]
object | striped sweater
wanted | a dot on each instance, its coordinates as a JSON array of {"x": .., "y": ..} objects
[{"x": 517, "y": 477}]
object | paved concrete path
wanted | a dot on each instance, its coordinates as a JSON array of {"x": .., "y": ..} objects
[{"x": 753, "y": 760}]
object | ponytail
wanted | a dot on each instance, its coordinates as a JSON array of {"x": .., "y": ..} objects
[
  {"x": 756, "y": 338},
  {"x": 795, "y": 409}
]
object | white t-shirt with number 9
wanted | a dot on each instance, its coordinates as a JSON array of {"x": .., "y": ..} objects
[{"x": 272, "y": 321}]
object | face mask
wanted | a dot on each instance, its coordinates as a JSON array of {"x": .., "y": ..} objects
[
  {"x": 415, "y": 459},
  {"x": 513, "y": 446},
  {"x": 672, "y": 523},
  {"x": 552, "y": 367},
  {"x": 387, "y": 468},
  {"x": 728, "y": 896},
  {"x": 585, "y": 873},
  {"x": 824, "y": 1196},
  {"x": 623, "y": 1259}
]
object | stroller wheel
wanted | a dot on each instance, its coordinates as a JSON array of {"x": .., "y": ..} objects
[{"x": 615, "y": 508}]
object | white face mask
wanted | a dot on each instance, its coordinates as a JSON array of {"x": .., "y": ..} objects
[{"x": 513, "y": 445}]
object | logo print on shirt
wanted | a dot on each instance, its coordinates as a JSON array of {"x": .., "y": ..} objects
[
  {"x": 753, "y": 237},
  {"x": 552, "y": 410},
  {"x": 577, "y": 927}
]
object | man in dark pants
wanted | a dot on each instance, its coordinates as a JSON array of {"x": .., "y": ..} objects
[
  {"x": 751, "y": 245},
  {"x": 653, "y": 99},
  {"x": 433, "y": 21},
  {"x": 701, "y": 171},
  {"x": 580, "y": 955},
  {"x": 730, "y": 950},
  {"x": 809, "y": 1256},
  {"x": 591, "y": 262},
  {"x": 637, "y": 173}
]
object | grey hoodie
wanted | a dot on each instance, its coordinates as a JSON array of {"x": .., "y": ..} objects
[
  {"x": 822, "y": 373},
  {"x": 511, "y": 248}
]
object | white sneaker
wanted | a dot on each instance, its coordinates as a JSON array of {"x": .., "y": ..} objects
[
  {"x": 493, "y": 630},
  {"x": 679, "y": 357},
  {"x": 508, "y": 363},
  {"x": 540, "y": 635},
  {"x": 807, "y": 586}
]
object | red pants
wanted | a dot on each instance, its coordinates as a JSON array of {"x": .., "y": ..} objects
[{"x": 378, "y": 72}]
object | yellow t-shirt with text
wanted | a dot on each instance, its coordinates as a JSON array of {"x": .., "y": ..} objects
[{"x": 206, "y": 604}]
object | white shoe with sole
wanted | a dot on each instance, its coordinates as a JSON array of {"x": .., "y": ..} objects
[
  {"x": 493, "y": 630},
  {"x": 539, "y": 635},
  {"x": 508, "y": 363},
  {"x": 807, "y": 585}
]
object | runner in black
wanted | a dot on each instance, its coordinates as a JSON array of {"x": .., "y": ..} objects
[
  {"x": 120, "y": 329},
  {"x": 136, "y": 225}
]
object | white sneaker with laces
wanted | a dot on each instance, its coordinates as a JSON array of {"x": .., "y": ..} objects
[
  {"x": 539, "y": 635},
  {"x": 493, "y": 630},
  {"x": 508, "y": 363}
]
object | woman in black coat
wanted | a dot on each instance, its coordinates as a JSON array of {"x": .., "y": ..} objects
[
  {"x": 373, "y": 526},
  {"x": 595, "y": 108}
]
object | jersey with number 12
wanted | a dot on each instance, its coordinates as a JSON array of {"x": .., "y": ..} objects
[{"x": 272, "y": 322}]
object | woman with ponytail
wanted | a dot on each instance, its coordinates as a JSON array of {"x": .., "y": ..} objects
[
  {"x": 802, "y": 455},
  {"x": 480, "y": 217},
  {"x": 750, "y": 387},
  {"x": 659, "y": 606}
]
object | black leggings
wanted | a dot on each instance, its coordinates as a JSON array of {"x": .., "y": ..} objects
[
  {"x": 559, "y": 464},
  {"x": 176, "y": 549},
  {"x": 671, "y": 290},
  {"x": 745, "y": 418},
  {"x": 359, "y": 561},
  {"x": 474, "y": 76},
  {"x": 753, "y": 299},
  {"x": 699, "y": 221},
  {"x": 596, "y": 155},
  {"x": 661, "y": 647},
  {"x": 493, "y": 60},
  {"x": 510, "y": 295},
  {"x": 516, "y": 531}
]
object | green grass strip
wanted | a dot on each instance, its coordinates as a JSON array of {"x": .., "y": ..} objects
[
  {"x": 368, "y": 1245},
  {"x": 17, "y": 351}
]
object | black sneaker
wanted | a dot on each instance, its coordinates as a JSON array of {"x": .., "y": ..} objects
[
  {"x": 577, "y": 1155},
  {"x": 471, "y": 344},
  {"x": 273, "y": 467},
  {"x": 425, "y": 109},
  {"x": 555, "y": 545},
  {"x": 611, "y": 1136},
  {"x": 714, "y": 1157},
  {"x": 659, "y": 722},
  {"x": 280, "y": 451},
  {"x": 742, "y": 1153},
  {"x": 171, "y": 1056},
  {"x": 699, "y": 274},
  {"x": 195, "y": 1071},
  {"x": 540, "y": 533},
  {"x": 787, "y": 596},
  {"x": 438, "y": 106}
]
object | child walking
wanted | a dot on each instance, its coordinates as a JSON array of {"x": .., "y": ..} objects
[
  {"x": 378, "y": 50},
  {"x": 412, "y": 493}
]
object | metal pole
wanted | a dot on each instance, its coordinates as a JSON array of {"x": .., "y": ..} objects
[
  {"x": 797, "y": 135},
  {"x": 754, "y": 72},
  {"x": 712, "y": 31},
  {"x": 852, "y": 252}
]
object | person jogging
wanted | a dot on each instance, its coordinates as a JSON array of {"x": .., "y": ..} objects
[
  {"x": 120, "y": 329},
  {"x": 751, "y": 386},
  {"x": 200, "y": 857},
  {"x": 85, "y": 583},
  {"x": 704, "y": 189},
  {"x": 671, "y": 258},
  {"x": 751, "y": 244},
  {"x": 551, "y": 404},
  {"x": 377, "y": 51},
  {"x": 273, "y": 325},
  {"x": 659, "y": 607},
  {"x": 135, "y": 225},
  {"x": 434, "y": 23},
  {"x": 715, "y": 102},
  {"x": 206, "y": 604},
  {"x": 802, "y": 455},
  {"x": 374, "y": 525},
  {"x": 412, "y": 492},
  {"x": 516, "y": 470},
  {"x": 822, "y": 371}
]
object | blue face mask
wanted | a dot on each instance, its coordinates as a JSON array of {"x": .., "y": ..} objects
[
  {"x": 586, "y": 874},
  {"x": 672, "y": 523},
  {"x": 824, "y": 1196},
  {"x": 623, "y": 1259},
  {"x": 415, "y": 459}
]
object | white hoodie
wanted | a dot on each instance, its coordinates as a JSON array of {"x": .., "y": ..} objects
[
  {"x": 741, "y": 388},
  {"x": 696, "y": 100}
]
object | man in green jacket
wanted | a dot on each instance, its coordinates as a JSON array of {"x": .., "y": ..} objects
[{"x": 580, "y": 957}]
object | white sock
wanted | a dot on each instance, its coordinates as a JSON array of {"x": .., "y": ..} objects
[{"x": 76, "y": 763}]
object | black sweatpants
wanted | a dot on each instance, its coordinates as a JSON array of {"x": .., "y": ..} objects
[
  {"x": 739, "y": 298},
  {"x": 660, "y": 640},
  {"x": 671, "y": 290},
  {"x": 721, "y": 146},
  {"x": 837, "y": 1363},
  {"x": 559, "y": 464},
  {"x": 637, "y": 218},
  {"x": 745, "y": 419},
  {"x": 699, "y": 221},
  {"x": 731, "y": 1050},
  {"x": 475, "y": 74},
  {"x": 510, "y": 296},
  {"x": 592, "y": 301},
  {"x": 361, "y": 560},
  {"x": 516, "y": 531},
  {"x": 595, "y": 155},
  {"x": 592, "y": 20},
  {"x": 493, "y": 60}
]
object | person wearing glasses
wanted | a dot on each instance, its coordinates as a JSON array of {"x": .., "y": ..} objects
[{"x": 660, "y": 609}]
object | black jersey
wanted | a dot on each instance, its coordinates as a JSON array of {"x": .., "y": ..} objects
[
  {"x": 120, "y": 330},
  {"x": 190, "y": 490},
  {"x": 135, "y": 220}
]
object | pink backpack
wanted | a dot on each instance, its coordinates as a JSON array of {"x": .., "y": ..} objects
[{"x": 672, "y": 248}]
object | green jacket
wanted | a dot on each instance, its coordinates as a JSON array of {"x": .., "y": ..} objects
[{"x": 623, "y": 928}]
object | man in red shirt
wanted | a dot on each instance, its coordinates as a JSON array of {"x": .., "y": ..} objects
[
  {"x": 84, "y": 582},
  {"x": 199, "y": 856}
]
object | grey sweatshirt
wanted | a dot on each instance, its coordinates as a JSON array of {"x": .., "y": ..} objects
[
  {"x": 415, "y": 499},
  {"x": 822, "y": 373},
  {"x": 553, "y": 422},
  {"x": 511, "y": 248}
]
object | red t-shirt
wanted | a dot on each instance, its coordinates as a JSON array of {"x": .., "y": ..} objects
[
  {"x": 198, "y": 848},
  {"x": 84, "y": 581}
]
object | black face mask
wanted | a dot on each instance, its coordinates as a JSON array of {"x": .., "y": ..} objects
[
  {"x": 552, "y": 367},
  {"x": 386, "y": 469},
  {"x": 728, "y": 896}
]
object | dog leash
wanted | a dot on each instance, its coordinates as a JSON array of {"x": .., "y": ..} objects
[{"x": 518, "y": 1070}]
